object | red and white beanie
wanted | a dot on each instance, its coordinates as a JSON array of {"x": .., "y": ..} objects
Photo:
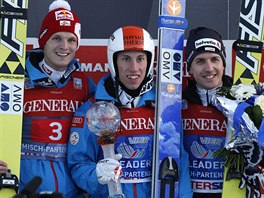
[{"x": 59, "y": 19}]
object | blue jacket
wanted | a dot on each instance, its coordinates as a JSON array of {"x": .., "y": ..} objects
[
  {"x": 85, "y": 152},
  {"x": 39, "y": 155}
]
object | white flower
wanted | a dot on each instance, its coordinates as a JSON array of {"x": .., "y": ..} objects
[
  {"x": 242, "y": 92},
  {"x": 260, "y": 101}
]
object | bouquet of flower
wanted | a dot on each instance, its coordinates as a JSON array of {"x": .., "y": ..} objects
[{"x": 243, "y": 105}]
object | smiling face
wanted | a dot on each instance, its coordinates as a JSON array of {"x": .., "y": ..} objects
[
  {"x": 207, "y": 69},
  {"x": 60, "y": 49},
  {"x": 132, "y": 66}
]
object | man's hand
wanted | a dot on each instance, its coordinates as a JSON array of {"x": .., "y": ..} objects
[
  {"x": 3, "y": 167},
  {"x": 108, "y": 170}
]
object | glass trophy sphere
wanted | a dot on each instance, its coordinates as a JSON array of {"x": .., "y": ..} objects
[{"x": 103, "y": 117}]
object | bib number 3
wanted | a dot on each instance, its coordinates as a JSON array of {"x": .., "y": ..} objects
[{"x": 56, "y": 131}]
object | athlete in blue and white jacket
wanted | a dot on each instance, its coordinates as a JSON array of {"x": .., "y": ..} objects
[
  {"x": 53, "y": 91},
  {"x": 130, "y": 86}
]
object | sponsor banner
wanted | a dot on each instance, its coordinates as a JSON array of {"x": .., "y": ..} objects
[
  {"x": 11, "y": 93},
  {"x": 206, "y": 186},
  {"x": 172, "y": 22},
  {"x": 78, "y": 121},
  {"x": 44, "y": 151},
  {"x": 208, "y": 42},
  {"x": 171, "y": 74}
]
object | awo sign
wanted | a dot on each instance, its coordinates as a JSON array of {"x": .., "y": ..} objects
[{"x": 11, "y": 97}]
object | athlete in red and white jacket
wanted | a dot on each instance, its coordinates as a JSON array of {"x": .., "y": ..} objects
[
  {"x": 53, "y": 91},
  {"x": 204, "y": 126},
  {"x": 130, "y": 86}
]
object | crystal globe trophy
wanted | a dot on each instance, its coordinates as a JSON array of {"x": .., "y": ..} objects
[{"x": 103, "y": 119}]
